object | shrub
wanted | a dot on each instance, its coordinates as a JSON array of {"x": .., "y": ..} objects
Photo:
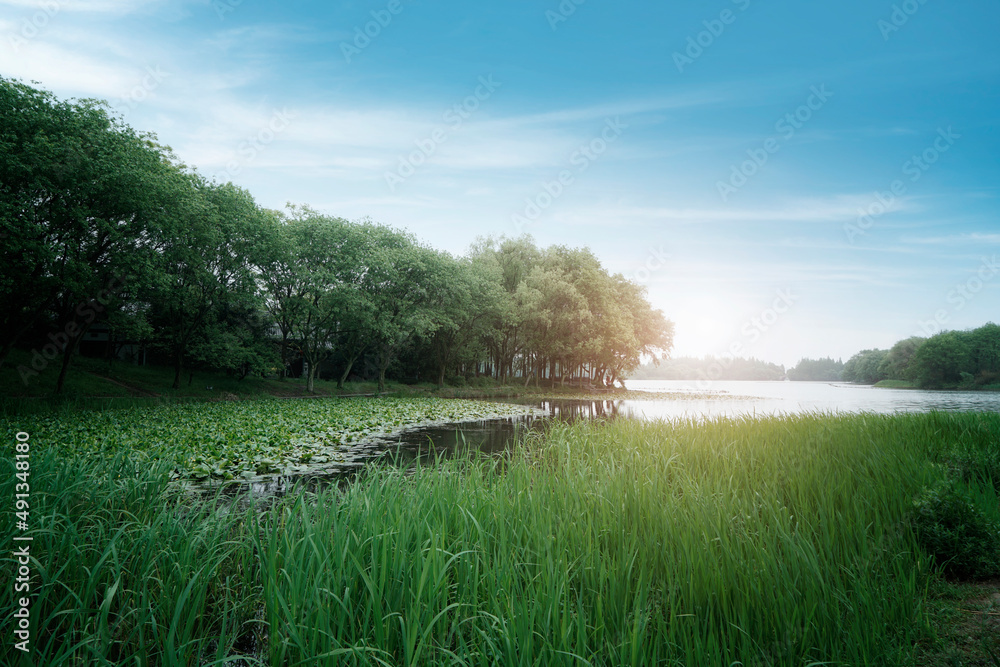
[
  {"x": 457, "y": 381},
  {"x": 482, "y": 381},
  {"x": 956, "y": 532}
]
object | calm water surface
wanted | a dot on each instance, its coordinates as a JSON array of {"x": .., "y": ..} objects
[
  {"x": 771, "y": 398},
  {"x": 686, "y": 400},
  {"x": 683, "y": 400}
]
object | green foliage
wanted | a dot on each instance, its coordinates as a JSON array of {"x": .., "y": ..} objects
[
  {"x": 941, "y": 360},
  {"x": 225, "y": 440},
  {"x": 898, "y": 363},
  {"x": 208, "y": 280},
  {"x": 952, "y": 526},
  {"x": 559, "y": 311},
  {"x": 951, "y": 359},
  {"x": 83, "y": 204},
  {"x": 895, "y": 384},
  {"x": 127, "y": 571},
  {"x": 866, "y": 367},
  {"x": 709, "y": 368},
  {"x": 781, "y": 541},
  {"x": 817, "y": 370}
]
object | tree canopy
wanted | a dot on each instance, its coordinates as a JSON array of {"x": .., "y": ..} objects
[
  {"x": 102, "y": 224},
  {"x": 951, "y": 359}
]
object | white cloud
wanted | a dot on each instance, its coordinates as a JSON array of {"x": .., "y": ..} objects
[
  {"x": 64, "y": 70},
  {"x": 88, "y": 6},
  {"x": 956, "y": 239}
]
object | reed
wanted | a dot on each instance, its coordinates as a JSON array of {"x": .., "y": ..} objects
[{"x": 775, "y": 541}]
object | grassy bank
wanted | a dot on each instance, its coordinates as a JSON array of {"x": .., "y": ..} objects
[
  {"x": 97, "y": 380},
  {"x": 782, "y": 541},
  {"x": 906, "y": 384},
  {"x": 96, "y": 384},
  {"x": 896, "y": 384}
]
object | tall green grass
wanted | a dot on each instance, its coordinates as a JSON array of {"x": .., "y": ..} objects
[
  {"x": 780, "y": 541},
  {"x": 126, "y": 571}
]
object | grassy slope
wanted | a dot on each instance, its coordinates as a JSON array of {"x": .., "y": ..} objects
[
  {"x": 896, "y": 384},
  {"x": 776, "y": 542},
  {"x": 96, "y": 378},
  {"x": 95, "y": 383}
]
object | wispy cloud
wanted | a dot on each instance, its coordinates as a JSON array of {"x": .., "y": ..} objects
[
  {"x": 89, "y": 6},
  {"x": 956, "y": 239},
  {"x": 831, "y": 209}
]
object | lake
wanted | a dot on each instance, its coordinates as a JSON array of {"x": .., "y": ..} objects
[
  {"x": 695, "y": 400},
  {"x": 686, "y": 400},
  {"x": 770, "y": 398}
]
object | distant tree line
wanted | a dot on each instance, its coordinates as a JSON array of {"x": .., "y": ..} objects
[
  {"x": 101, "y": 224},
  {"x": 709, "y": 368},
  {"x": 817, "y": 370},
  {"x": 951, "y": 359}
]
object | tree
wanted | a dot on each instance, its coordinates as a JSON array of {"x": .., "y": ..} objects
[
  {"x": 653, "y": 332},
  {"x": 460, "y": 304},
  {"x": 206, "y": 268},
  {"x": 942, "y": 359},
  {"x": 508, "y": 261},
  {"x": 897, "y": 363},
  {"x": 985, "y": 350},
  {"x": 399, "y": 280},
  {"x": 82, "y": 199},
  {"x": 816, "y": 370},
  {"x": 864, "y": 367},
  {"x": 325, "y": 298}
]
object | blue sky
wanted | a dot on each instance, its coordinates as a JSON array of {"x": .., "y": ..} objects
[{"x": 725, "y": 154}]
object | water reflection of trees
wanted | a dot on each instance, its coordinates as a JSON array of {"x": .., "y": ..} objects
[{"x": 571, "y": 411}]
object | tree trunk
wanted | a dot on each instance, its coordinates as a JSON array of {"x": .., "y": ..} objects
[
  {"x": 441, "y": 367},
  {"x": 347, "y": 371},
  {"x": 178, "y": 369},
  {"x": 311, "y": 378},
  {"x": 284, "y": 357},
  {"x": 381, "y": 379},
  {"x": 68, "y": 352}
]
